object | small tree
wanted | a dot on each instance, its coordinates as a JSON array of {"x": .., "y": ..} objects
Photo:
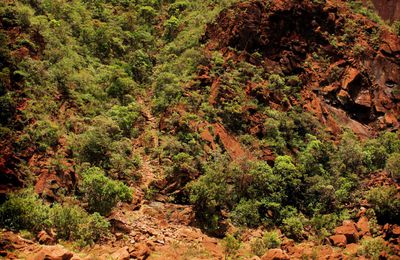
[{"x": 102, "y": 193}]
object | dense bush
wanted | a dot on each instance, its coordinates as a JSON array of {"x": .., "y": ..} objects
[
  {"x": 270, "y": 239},
  {"x": 45, "y": 134},
  {"x": 73, "y": 223},
  {"x": 393, "y": 166},
  {"x": 386, "y": 203},
  {"x": 231, "y": 245},
  {"x": 102, "y": 193},
  {"x": 372, "y": 247},
  {"x": 7, "y": 108},
  {"x": 26, "y": 211}
]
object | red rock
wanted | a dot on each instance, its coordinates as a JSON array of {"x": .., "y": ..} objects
[
  {"x": 275, "y": 254},
  {"x": 44, "y": 238},
  {"x": 364, "y": 98},
  {"x": 140, "y": 251},
  {"x": 352, "y": 249},
  {"x": 338, "y": 240},
  {"x": 396, "y": 230},
  {"x": 363, "y": 226},
  {"x": 349, "y": 229},
  {"x": 121, "y": 254},
  {"x": 53, "y": 253},
  {"x": 361, "y": 212}
]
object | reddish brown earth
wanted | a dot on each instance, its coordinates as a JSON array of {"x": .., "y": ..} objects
[
  {"x": 389, "y": 10},
  {"x": 363, "y": 96}
]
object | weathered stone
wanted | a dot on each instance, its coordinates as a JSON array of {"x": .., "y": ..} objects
[
  {"x": 121, "y": 254},
  {"x": 352, "y": 249},
  {"x": 140, "y": 251},
  {"x": 338, "y": 240},
  {"x": 349, "y": 229},
  {"x": 275, "y": 254},
  {"x": 363, "y": 226},
  {"x": 44, "y": 238},
  {"x": 52, "y": 253}
]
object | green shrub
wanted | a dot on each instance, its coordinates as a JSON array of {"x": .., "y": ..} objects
[
  {"x": 390, "y": 141},
  {"x": 396, "y": 27},
  {"x": 148, "y": 13},
  {"x": 246, "y": 213},
  {"x": 140, "y": 66},
  {"x": 73, "y": 223},
  {"x": 231, "y": 245},
  {"x": 171, "y": 28},
  {"x": 24, "y": 210},
  {"x": 293, "y": 227},
  {"x": 349, "y": 156},
  {"x": 393, "y": 166},
  {"x": 45, "y": 134},
  {"x": 208, "y": 195},
  {"x": 121, "y": 87},
  {"x": 102, "y": 193},
  {"x": 93, "y": 145},
  {"x": 125, "y": 116},
  {"x": 375, "y": 154},
  {"x": 270, "y": 239},
  {"x": 290, "y": 174},
  {"x": 386, "y": 203},
  {"x": 7, "y": 108},
  {"x": 372, "y": 247}
]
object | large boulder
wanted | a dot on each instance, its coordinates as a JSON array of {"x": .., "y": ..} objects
[
  {"x": 348, "y": 229},
  {"x": 338, "y": 240},
  {"x": 363, "y": 226},
  {"x": 275, "y": 254},
  {"x": 44, "y": 238},
  {"x": 140, "y": 251},
  {"x": 121, "y": 254},
  {"x": 52, "y": 253}
]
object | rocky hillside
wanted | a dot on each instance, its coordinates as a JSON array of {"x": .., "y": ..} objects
[{"x": 199, "y": 130}]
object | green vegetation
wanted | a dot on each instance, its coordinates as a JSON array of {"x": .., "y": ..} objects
[
  {"x": 271, "y": 239},
  {"x": 231, "y": 246},
  {"x": 26, "y": 211},
  {"x": 372, "y": 247},
  {"x": 101, "y": 193},
  {"x": 386, "y": 203},
  {"x": 105, "y": 87}
]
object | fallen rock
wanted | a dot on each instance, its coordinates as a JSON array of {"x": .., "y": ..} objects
[
  {"x": 338, "y": 240},
  {"x": 118, "y": 226},
  {"x": 44, "y": 238},
  {"x": 140, "y": 251},
  {"x": 363, "y": 226},
  {"x": 121, "y": 254},
  {"x": 275, "y": 254},
  {"x": 396, "y": 230},
  {"x": 349, "y": 229},
  {"x": 53, "y": 253},
  {"x": 352, "y": 249}
]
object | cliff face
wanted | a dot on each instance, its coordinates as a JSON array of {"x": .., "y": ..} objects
[
  {"x": 363, "y": 94},
  {"x": 388, "y": 9}
]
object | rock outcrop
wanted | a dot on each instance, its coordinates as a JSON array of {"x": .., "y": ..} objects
[{"x": 357, "y": 88}]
